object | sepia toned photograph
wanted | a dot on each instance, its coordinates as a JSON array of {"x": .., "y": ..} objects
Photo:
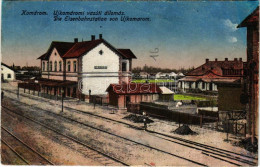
[{"x": 129, "y": 83}]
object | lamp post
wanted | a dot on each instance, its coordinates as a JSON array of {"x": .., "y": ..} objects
[
  {"x": 62, "y": 92},
  {"x": 145, "y": 119},
  {"x": 18, "y": 92}
]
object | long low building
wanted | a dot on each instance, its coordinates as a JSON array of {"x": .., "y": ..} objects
[
  {"x": 122, "y": 94},
  {"x": 205, "y": 77}
]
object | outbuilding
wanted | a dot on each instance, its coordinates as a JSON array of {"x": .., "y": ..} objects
[
  {"x": 7, "y": 73},
  {"x": 166, "y": 94},
  {"x": 122, "y": 94}
]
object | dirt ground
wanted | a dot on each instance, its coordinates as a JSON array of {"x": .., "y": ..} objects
[{"x": 134, "y": 154}]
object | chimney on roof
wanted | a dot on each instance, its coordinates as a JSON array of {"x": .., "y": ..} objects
[
  {"x": 235, "y": 59},
  {"x": 100, "y": 36},
  {"x": 240, "y": 59},
  {"x": 76, "y": 40},
  {"x": 226, "y": 59},
  {"x": 92, "y": 37},
  {"x": 216, "y": 59},
  {"x": 207, "y": 60}
]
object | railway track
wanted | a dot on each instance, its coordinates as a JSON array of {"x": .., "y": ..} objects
[
  {"x": 9, "y": 160},
  {"x": 74, "y": 143},
  {"x": 103, "y": 131},
  {"x": 221, "y": 154},
  {"x": 218, "y": 153},
  {"x": 79, "y": 111},
  {"x": 22, "y": 150}
]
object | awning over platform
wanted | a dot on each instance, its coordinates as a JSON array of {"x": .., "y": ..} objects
[
  {"x": 52, "y": 83},
  {"x": 190, "y": 79}
]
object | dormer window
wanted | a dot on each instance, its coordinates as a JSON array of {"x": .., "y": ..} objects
[{"x": 101, "y": 52}]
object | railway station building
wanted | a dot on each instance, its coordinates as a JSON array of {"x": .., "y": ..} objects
[{"x": 83, "y": 68}]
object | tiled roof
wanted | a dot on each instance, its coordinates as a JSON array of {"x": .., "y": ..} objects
[
  {"x": 127, "y": 53},
  {"x": 190, "y": 78},
  {"x": 253, "y": 18},
  {"x": 210, "y": 77},
  {"x": 134, "y": 88},
  {"x": 11, "y": 68},
  {"x": 216, "y": 67},
  {"x": 43, "y": 57},
  {"x": 74, "y": 50},
  {"x": 52, "y": 82},
  {"x": 82, "y": 47},
  {"x": 62, "y": 48}
]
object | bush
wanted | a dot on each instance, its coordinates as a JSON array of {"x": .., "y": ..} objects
[{"x": 208, "y": 103}]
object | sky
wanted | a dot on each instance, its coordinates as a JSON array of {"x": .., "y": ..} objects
[{"x": 184, "y": 33}]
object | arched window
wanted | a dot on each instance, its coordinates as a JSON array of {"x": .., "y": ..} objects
[
  {"x": 43, "y": 66},
  {"x": 50, "y": 65},
  {"x": 69, "y": 66},
  {"x": 55, "y": 66},
  {"x": 47, "y": 66},
  {"x": 60, "y": 65},
  {"x": 74, "y": 66}
]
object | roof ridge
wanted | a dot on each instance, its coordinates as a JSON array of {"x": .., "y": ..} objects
[
  {"x": 81, "y": 43},
  {"x": 11, "y": 68},
  {"x": 68, "y": 50},
  {"x": 63, "y": 42}
]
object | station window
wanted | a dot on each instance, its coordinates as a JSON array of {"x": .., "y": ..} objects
[
  {"x": 47, "y": 66},
  {"x": 74, "y": 66},
  {"x": 124, "y": 66},
  {"x": 51, "y": 66},
  {"x": 8, "y": 75},
  {"x": 69, "y": 66},
  {"x": 55, "y": 66},
  {"x": 43, "y": 66},
  {"x": 203, "y": 85},
  {"x": 60, "y": 65}
]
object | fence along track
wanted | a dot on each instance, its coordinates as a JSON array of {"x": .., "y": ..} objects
[
  {"x": 218, "y": 151},
  {"x": 147, "y": 146},
  {"x": 89, "y": 152},
  {"x": 27, "y": 146},
  {"x": 78, "y": 111}
]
